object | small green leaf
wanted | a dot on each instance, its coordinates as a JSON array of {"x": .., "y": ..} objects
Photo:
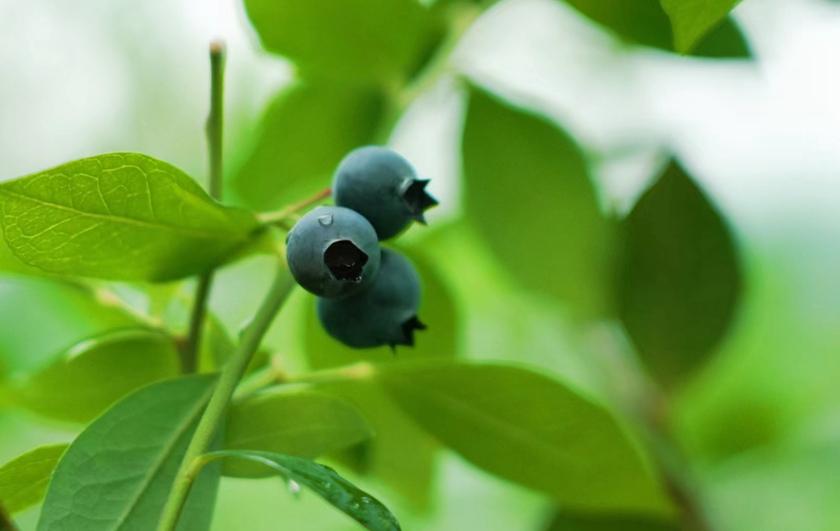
[
  {"x": 303, "y": 424},
  {"x": 122, "y": 216},
  {"x": 24, "y": 480},
  {"x": 693, "y": 19},
  {"x": 645, "y": 22},
  {"x": 118, "y": 473},
  {"x": 50, "y": 316},
  {"x": 94, "y": 374},
  {"x": 680, "y": 277},
  {"x": 353, "y": 40},
  {"x": 529, "y": 429},
  {"x": 325, "y": 482},
  {"x": 529, "y": 193},
  {"x": 304, "y": 133}
]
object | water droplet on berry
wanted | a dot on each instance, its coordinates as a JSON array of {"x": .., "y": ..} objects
[{"x": 325, "y": 220}]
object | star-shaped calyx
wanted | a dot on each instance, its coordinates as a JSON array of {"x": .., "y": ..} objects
[{"x": 418, "y": 200}]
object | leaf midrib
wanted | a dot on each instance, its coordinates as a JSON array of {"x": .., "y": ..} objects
[{"x": 113, "y": 218}]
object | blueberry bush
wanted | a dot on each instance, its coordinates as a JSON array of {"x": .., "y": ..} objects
[{"x": 359, "y": 364}]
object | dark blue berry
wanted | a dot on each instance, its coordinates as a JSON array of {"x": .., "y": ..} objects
[
  {"x": 382, "y": 186},
  {"x": 333, "y": 251},
  {"x": 384, "y": 313}
]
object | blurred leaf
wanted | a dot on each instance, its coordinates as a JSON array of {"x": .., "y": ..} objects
[
  {"x": 529, "y": 429},
  {"x": 680, "y": 277},
  {"x": 118, "y": 473},
  {"x": 50, "y": 317},
  {"x": 354, "y": 40},
  {"x": 778, "y": 489},
  {"x": 216, "y": 345},
  {"x": 325, "y": 482},
  {"x": 645, "y": 22},
  {"x": 575, "y": 522},
  {"x": 121, "y": 216},
  {"x": 395, "y": 434},
  {"x": 693, "y": 19},
  {"x": 302, "y": 424},
  {"x": 529, "y": 193},
  {"x": 304, "y": 133},
  {"x": 24, "y": 480},
  {"x": 94, "y": 374}
]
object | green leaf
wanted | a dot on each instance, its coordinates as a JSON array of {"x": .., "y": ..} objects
[
  {"x": 529, "y": 194},
  {"x": 24, "y": 480},
  {"x": 353, "y": 40},
  {"x": 122, "y": 216},
  {"x": 96, "y": 373},
  {"x": 693, "y": 19},
  {"x": 395, "y": 434},
  {"x": 118, "y": 473},
  {"x": 645, "y": 22},
  {"x": 304, "y": 133},
  {"x": 778, "y": 488},
  {"x": 564, "y": 521},
  {"x": 680, "y": 276},
  {"x": 302, "y": 424},
  {"x": 50, "y": 317},
  {"x": 325, "y": 482},
  {"x": 529, "y": 429}
]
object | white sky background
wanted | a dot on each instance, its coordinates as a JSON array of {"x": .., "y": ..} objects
[{"x": 79, "y": 78}]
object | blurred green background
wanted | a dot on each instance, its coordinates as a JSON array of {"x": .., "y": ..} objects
[{"x": 760, "y": 421}]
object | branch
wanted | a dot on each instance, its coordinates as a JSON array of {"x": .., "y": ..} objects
[
  {"x": 214, "y": 129},
  {"x": 217, "y": 407}
]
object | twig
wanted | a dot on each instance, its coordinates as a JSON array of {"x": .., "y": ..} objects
[
  {"x": 235, "y": 368},
  {"x": 214, "y": 130}
]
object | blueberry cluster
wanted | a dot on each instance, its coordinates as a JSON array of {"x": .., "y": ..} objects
[{"x": 367, "y": 296}]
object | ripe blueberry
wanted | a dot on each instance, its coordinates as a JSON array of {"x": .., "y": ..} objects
[
  {"x": 332, "y": 251},
  {"x": 384, "y": 313},
  {"x": 382, "y": 186}
]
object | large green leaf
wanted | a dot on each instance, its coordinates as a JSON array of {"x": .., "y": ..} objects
[
  {"x": 350, "y": 40},
  {"x": 94, "y": 374},
  {"x": 121, "y": 216},
  {"x": 24, "y": 480},
  {"x": 529, "y": 193},
  {"x": 325, "y": 482},
  {"x": 50, "y": 317},
  {"x": 680, "y": 276},
  {"x": 645, "y": 22},
  {"x": 529, "y": 429},
  {"x": 395, "y": 434},
  {"x": 302, "y": 424},
  {"x": 304, "y": 133},
  {"x": 693, "y": 19},
  {"x": 118, "y": 473}
]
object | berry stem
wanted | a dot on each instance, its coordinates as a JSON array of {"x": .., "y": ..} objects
[
  {"x": 280, "y": 217},
  {"x": 219, "y": 401},
  {"x": 214, "y": 130},
  {"x": 272, "y": 375}
]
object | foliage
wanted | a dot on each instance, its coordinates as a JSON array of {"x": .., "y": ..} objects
[{"x": 83, "y": 241}]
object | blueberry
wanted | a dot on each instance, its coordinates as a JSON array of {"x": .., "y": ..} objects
[
  {"x": 381, "y": 185},
  {"x": 384, "y": 313},
  {"x": 333, "y": 251}
]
